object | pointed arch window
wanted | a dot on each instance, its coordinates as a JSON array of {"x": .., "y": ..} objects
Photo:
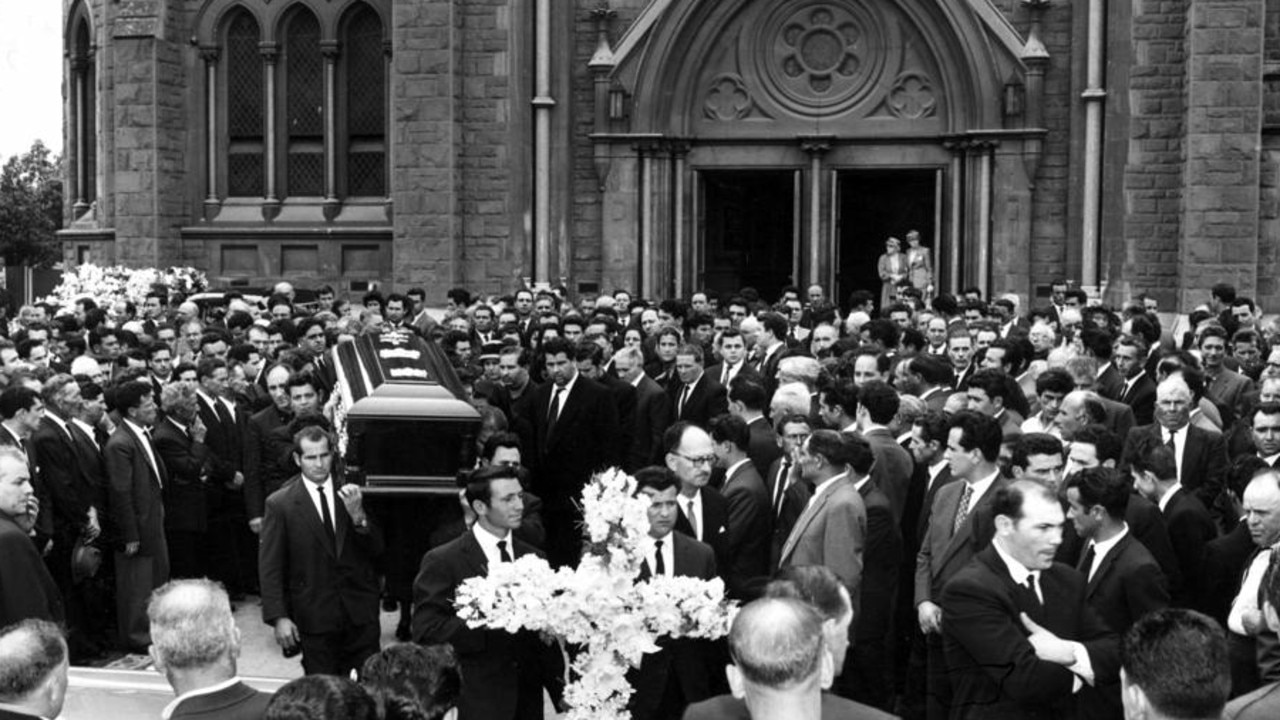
[
  {"x": 246, "y": 147},
  {"x": 366, "y": 100},
  {"x": 304, "y": 107},
  {"x": 82, "y": 113}
]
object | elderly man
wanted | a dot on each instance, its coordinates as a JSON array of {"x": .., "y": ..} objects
[
  {"x": 777, "y": 685},
  {"x": 33, "y": 670},
  {"x": 1255, "y": 650},
  {"x": 195, "y": 644},
  {"x": 26, "y": 588}
]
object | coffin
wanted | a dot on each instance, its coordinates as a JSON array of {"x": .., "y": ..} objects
[{"x": 408, "y": 427}]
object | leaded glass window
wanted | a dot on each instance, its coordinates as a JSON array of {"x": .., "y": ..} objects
[
  {"x": 366, "y": 104},
  {"x": 304, "y": 106},
  {"x": 245, "y": 147}
]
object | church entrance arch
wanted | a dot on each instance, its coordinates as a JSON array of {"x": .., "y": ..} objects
[{"x": 871, "y": 109}]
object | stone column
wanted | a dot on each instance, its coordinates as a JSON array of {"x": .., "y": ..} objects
[
  {"x": 329, "y": 49},
  {"x": 815, "y": 146},
  {"x": 270, "y": 202},
  {"x": 212, "y": 204},
  {"x": 681, "y": 252},
  {"x": 76, "y": 113}
]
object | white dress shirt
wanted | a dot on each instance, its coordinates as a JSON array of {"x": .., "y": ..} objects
[
  {"x": 1168, "y": 495},
  {"x": 1100, "y": 549},
  {"x": 817, "y": 491},
  {"x": 668, "y": 554},
  {"x": 1247, "y": 599},
  {"x": 145, "y": 440},
  {"x": 934, "y": 471},
  {"x": 88, "y": 430},
  {"x": 1179, "y": 443},
  {"x": 313, "y": 492},
  {"x": 979, "y": 489},
  {"x": 489, "y": 544},
  {"x": 685, "y": 502}
]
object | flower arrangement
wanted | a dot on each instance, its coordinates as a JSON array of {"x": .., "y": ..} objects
[
  {"x": 599, "y": 606},
  {"x": 106, "y": 285}
]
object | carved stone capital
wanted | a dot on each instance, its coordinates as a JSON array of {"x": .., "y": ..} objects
[
  {"x": 269, "y": 51},
  {"x": 330, "y": 49},
  {"x": 815, "y": 144},
  {"x": 210, "y": 54}
]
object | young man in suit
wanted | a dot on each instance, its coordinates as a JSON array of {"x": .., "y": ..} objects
[
  {"x": 653, "y": 409},
  {"x": 832, "y": 530},
  {"x": 747, "y": 400},
  {"x": 1175, "y": 666},
  {"x": 316, "y": 564},
  {"x": 696, "y": 397},
  {"x": 195, "y": 645},
  {"x": 1190, "y": 527},
  {"x": 571, "y": 427},
  {"x": 877, "y": 404},
  {"x": 1139, "y": 391},
  {"x": 745, "y": 563},
  {"x": 960, "y": 525},
  {"x": 138, "y": 478},
  {"x": 504, "y": 671},
  {"x": 1019, "y": 636},
  {"x": 680, "y": 673},
  {"x": 179, "y": 440},
  {"x": 33, "y": 670},
  {"x": 1124, "y": 581},
  {"x": 232, "y": 544}
]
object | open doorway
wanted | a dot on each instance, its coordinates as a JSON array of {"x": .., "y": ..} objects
[
  {"x": 748, "y": 230},
  {"x": 873, "y": 205}
]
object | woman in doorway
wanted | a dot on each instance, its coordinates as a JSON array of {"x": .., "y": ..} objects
[
  {"x": 892, "y": 267},
  {"x": 919, "y": 264}
]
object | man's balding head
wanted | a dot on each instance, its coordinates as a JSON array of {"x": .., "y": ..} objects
[
  {"x": 33, "y": 667},
  {"x": 777, "y": 648},
  {"x": 192, "y": 628}
]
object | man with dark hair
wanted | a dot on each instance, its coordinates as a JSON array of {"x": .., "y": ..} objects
[
  {"x": 1174, "y": 665},
  {"x": 413, "y": 681},
  {"x": 503, "y": 671},
  {"x": 33, "y": 670},
  {"x": 138, "y": 478},
  {"x": 746, "y": 558},
  {"x": 652, "y": 410},
  {"x": 988, "y": 390},
  {"x": 788, "y": 495},
  {"x": 178, "y": 438},
  {"x": 769, "y": 347},
  {"x": 1020, "y": 638},
  {"x": 316, "y": 564},
  {"x": 877, "y": 404},
  {"x": 928, "y": 377},
  {"x": 832, "y": 530},
  {"x": 960, "y": 354},
  {"x": 571, "y": 427},
  {"x": 1052, "y": 387},
  {"x": 733, "y": 354},
  {"x": 697, "y": 397},
  {"x": 1099, "y": 344},
  {"x": 1223, "y": 385},
  {"x": 748, "y": 400}
]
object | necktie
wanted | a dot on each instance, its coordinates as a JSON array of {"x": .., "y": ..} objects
[
  {"x": 502, "y": 551},
  {"x": 724, "y": 377},
  {"x": 1086, "y": 564},
  {"x": 962, "y": 512},
  {"x": 693, "y": 520},
  {"x": 224, "y": 415},
  {"x": 325, "y": 515},
  {"x": 684, "y": 395},
  {"x": 780, "y": 487},
  {"x": 1031, "y": 588},
  {"x": 660, "y": 567},
  {"x": 553, "y": 413},
  {"x": 1173, "y": 448}
]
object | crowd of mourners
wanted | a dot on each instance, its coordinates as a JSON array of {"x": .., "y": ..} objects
[{"x": 948, "y": 507}]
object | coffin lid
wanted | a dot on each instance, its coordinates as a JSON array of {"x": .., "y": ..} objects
[{"x": 400, "y": 375}]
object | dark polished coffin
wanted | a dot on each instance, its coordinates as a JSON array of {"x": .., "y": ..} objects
[{"x": 409, "y": 427}]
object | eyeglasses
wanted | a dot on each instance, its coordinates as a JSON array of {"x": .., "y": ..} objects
[{"x": 701, "y": 460}]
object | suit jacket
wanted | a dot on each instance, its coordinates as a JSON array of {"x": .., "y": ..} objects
[
  {"x": 746, "y": 559},
  {"x": 11, "y": 715},
  {"x": 88, "y": 456},
  {"x": 707, "y": 399},
  {"x": 186, "y": 506},
  {"x": 1230, "y": 389},
  {"x": 684, "y": 661},
  {"x": 322, "y": 586},
  {"x": 882, "y": 560},
  {"x": 834, "y": 707},
  {"x": 1119, "y": 416},
  {"x": 504, "y": 668},
  {"x": 1204, "y": 459},
  {"x": 1261, "y": 704},
  {"x": 71, "y": 491},
  {"x": 993, "y": 670},
  {"x": 1190, "y": 530},
  {"x": 225, "y": 441},
  {"x": 715, "y": 522},
  {"x": 832, "y": 531},
  {"x": 1225, "y": 559},
  {"x": 1127, "y": 585},
  {"x": 136, "y": 497},
  {"x": 27, "y": 589},
  {"x": 762, "y": 447},
  {"x": 1141, "y": 396},
  {"x": 892, "y": 470},
  {"x": 653, "y": 410},
  {"x": 943, "y": 554},
  {"x": 1147, "y": 525},
  {"x": 582, "y": 440},
  {"x": 717, "y": 371},
  {"x": 238, "y": 702},
  {"x": 624, "y": 397},
  {"x": 264, "y": 473},
  {"x": 1109, "y": 384}
]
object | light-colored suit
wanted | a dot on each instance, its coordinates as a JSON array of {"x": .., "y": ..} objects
[
  {"x": 831, "y": 532},
  {"x": 942, "y": 554}
]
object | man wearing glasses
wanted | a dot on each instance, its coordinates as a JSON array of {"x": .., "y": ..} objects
[{"x": 704, "y": 513}]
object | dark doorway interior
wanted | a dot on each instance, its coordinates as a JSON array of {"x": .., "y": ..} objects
[
  {"x": 874, "y": 205},
  {"x": 748, "y": 230}
]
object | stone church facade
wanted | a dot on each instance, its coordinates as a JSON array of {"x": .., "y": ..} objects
[{"x": 669, "y": 145}]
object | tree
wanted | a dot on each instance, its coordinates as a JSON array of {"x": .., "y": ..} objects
[{"x": 31, "y": 207}]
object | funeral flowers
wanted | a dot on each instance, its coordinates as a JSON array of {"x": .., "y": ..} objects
[
  {"x": 598, "y": 606},
  {"x": 107, "y": 285}
]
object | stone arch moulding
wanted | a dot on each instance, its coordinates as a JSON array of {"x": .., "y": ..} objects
[
  {"x": 849, "y": 67},
  {"x": 212, "y": 14},
  {"x": 80, "y": 12}
]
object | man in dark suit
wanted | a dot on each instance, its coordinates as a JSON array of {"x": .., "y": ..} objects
[
  {"x": 571, "y": 425},
  {"x": 33, "y": 670},
  {"x": 1175, "y": 666},
  {"x": 697, "y": 397},
  {"x": 226, "y": 425},
  {"x": 867, "y": 677},
  {"x": 138, "y": 479},
  {"x": 27, "y": 590},
  {"x": 1223, "y": 385},
  {"x": 316, "y": 564},
  {"x": 179, "y": 440},
  {"x": 877, "y": 405},
  {"x": 1190, "y": 527},
  {"x": 590, "y": 360},
  {"x": 681, "y": 671},
  {"x": 1099, "y": 345},
  {"x": 788, "y": 495},
  {"x": 960, "y": 525},
  {"x": 504, "y": 670},
  {"x": 1019, "y": 635},
  {"x": 745, "y": 563},
  {"x": 264, "y": 473},
  {"x": 653, "y": 409},
  {"x": 704, "y": 512},
  {"x": 769, "y": 347},
  {"x": 733, "y": 351},
  {"x": 747, "y": 400},
  {"x": 1201, "y": 456},
  {"x": 195, "y": 645},
  {"x": 21, "y": 411},
  {"x": 832, "y": 530},
  {"x": 1124, "y": 581},
  {"x": 1139, "y": 391}
]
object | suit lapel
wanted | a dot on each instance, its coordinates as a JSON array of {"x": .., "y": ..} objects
[
  {"x": 807, "y": 517},
  {"x": 1104, "y": 567},
  {"x": 310, "y": 517}
]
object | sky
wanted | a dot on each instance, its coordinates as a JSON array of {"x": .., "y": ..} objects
[{"x": 30, "y": 75}]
